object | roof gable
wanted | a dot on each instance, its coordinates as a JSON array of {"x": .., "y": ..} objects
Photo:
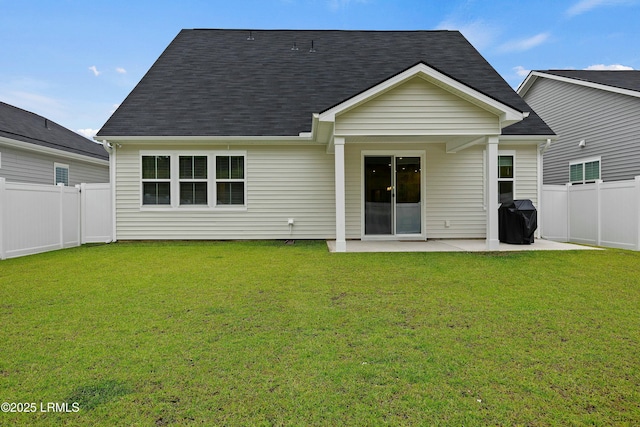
[
  {"x": 21, "y": 125},
  {"x": 508, "y": 114},
  {"x": 219, "y": 83}
]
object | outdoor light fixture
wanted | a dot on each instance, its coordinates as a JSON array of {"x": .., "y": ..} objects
[{"x": 582, "y": 143}]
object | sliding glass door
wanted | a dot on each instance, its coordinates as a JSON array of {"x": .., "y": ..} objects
[
  {"x": 378, "y": 192},
  {"x": 392, "y": 195}
]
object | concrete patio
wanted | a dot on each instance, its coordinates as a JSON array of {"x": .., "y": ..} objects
[{"x": 451, "y": 245}]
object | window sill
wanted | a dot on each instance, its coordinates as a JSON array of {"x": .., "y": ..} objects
[{"x": 193, "y": 209}]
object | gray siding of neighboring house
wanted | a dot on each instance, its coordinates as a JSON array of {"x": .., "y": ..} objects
[
  {"x": 608, "y": 122},
  {"x": 35, "y": 168}
]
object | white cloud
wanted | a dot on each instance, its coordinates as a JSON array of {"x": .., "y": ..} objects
[
  {"x": 95, "y": 71},
  {"x": 525, "y": 44},
  {"x": 584, "y": 6},
  {"x": 87, "y": 133},
  {"x": 121, "y": 70},
  {"x": 479, "y": 33},
  {"x": 521, "y": 71},
  {"x": 612, "y": 67}
]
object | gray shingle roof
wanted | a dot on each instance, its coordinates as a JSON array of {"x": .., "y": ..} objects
[
  {"x": 623, "y": 79},
  {"x": 21, "y": 125},
  {"x": 218, "y": 83}
]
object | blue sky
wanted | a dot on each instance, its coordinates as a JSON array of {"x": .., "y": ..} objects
[{"x": 75, "y": 61}]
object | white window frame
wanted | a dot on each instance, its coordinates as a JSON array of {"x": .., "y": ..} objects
[
  {"x": 505, "y": 153},
  {"x": 175, "y": 180},
  {"x": 172, "y": 193},
  {"x": 57, "y": 166},
  {"x": 583, "y": 162},
  {"x": 243, "y": 180},
  {"x": 193, "y": 180}
]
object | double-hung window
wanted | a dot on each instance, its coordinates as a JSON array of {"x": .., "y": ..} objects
[
  {"x": 61, "y": 174},
  {"x": 230, "y": 180},
  {"x": 156, "y": 180},
  {"x": 584, "y": 171},
  {"x": 506, "y": 178},
  {"x": 193, "y": 180}
]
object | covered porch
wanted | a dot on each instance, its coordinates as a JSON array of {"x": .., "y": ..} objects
[{"x": 450, "y": 133}]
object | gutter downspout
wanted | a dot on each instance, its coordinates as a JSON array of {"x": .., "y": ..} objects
[{"x": 111, "y": 149}]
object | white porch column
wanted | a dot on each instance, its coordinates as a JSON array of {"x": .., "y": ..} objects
[
  {"x": 492, "y": 193},
  {"x": 341, "y": 242}
]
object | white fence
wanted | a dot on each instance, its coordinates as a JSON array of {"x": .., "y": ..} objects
[
  {"x": 602, "y": 214},
  {"x": 38, "y": 218}
]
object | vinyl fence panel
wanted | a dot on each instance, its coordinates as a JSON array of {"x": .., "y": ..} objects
[
  {"x": 37, "y": 218},
  {"x": 554, "y": 213},
  {"x": 602, "y": 213}
]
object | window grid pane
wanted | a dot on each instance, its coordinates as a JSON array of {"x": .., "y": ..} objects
[
  {"x": 163, "y": 167},
  {"x": 62, "y": 176},
  {"x": 505, "y": 166},
  {"x": 156, "y": 193},
  {"x": 223, "y": 168},
  {"x": 237, "y": 167},
  {"x": 505, "y": 191},
  {"x": 193, "y": 167},
  {"x": 230, "y": 193},
  {"x": 148, "y": 167},
  {"x": 591, "y": 171},
  {"x": 193, "y": 193},
  {"x": 576, "y": 173}
]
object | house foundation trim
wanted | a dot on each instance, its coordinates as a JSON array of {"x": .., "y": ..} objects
[
  {"x": 341, "y": 242},
  {"x": 491, "y": 185}
]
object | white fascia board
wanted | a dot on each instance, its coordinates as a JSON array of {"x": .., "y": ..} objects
[
  {"x": 527, "y": 83},
  {"x": 201, "y": 140},
  {"x": 508, "y": 114},
  {"x": 52, "y": 151},
  {"x": 592, "y": 85}
]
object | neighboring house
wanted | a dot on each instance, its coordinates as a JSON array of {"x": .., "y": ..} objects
[
  {"x": 321, "y": 135},
  {"x": 36, "y": 150},
  {"x": 596, "y": 115}
]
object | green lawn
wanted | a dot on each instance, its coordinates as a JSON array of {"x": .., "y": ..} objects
[{"x": 262, "y": 333}]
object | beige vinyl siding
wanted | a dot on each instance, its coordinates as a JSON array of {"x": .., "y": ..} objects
[
  {"x": 417, "y": 108},
  {"x": 282, "y": 182},
  {"x": 454, "y": 187},
  {"x": 35, "y": 168},
  {"x": 455, "y": 193},
  {"x": 526, "y": 167},
  {"x": 608, "y": 122}
]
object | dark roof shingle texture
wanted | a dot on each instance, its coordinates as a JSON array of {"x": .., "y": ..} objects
[
  {"x": 218, "y": 83},
  {"x": 21, "y": 125}
]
